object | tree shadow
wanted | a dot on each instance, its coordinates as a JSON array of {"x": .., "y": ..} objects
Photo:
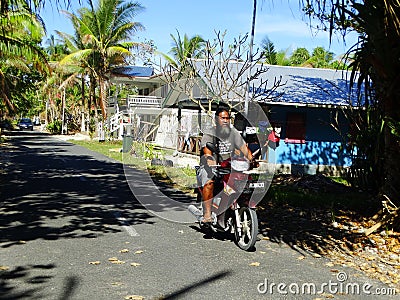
[
  {"x": 52, "y": 193},
  {"x": 307, "y": 227},
  {"x": 71, "y": 283},
  {"x": 8, "y": 279},
  {"x": 188, "y": 289},
  {"x": 40, "y": 188},
  {"x": 42, "y": 185}
]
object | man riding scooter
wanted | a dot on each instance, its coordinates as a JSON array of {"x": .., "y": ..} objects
[{"x": 229, "y": 142}]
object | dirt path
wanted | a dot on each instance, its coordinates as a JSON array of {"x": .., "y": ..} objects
[{"x": 336, "y": 232}]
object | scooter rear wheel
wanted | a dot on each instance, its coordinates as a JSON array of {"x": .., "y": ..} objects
[{"x": 246, "y": 234}]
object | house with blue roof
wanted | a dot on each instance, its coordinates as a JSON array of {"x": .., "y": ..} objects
[
  {"x": 137, "y": 114},
  {"x": 308, "y": 116}
]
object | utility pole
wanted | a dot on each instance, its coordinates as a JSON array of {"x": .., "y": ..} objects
[{"x": 250, "y": 59}]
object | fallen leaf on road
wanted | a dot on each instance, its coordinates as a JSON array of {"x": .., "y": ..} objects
[
  {"x": 124, "y": 251},
  {"x": 329, "y": 264},
  {"x": 4, "y": 268},
  {"x": 328, "y": 296},
  {"x": 334, "y": 270},
  {"x": 94, "y": 262},
  {"x": 263, "y": 252},
  {"x": 265, "y": 238},
  {"x": 255, "y": 264},
  {"x": 117, "y": 283},
  {"x": 139, "y": 252},
  {"x": 133, "y": 297},
  {"x": 135, "y": 264},
  {"x": 22, "y": 242},
  {"x": 301, "y": 257},
  {"x": 180, "y": 231},
  {"x": 117, "y": 262}
]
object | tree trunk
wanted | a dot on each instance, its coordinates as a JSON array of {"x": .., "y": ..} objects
[
  {"x": 102, "y": 97},
  {"x": 391, "y": 186}
]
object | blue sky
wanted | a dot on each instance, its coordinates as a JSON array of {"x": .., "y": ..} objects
[{"x": 280, "y": 20}]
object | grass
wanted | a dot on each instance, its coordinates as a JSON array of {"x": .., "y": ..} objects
[
  {"x": 102, "y": 147},
  {"x": 184, "y": 179}
]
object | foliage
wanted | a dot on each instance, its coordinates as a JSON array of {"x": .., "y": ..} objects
[
  {"x": 320, "y": 58},
  {"x": 184, "y": 49},
  {"x": 269, "y": 53},
  {"x": 282, "y": 58},
  {"x": 299, "y": 57},
  {"x": 24, "y": 86},
  {"x": 56, "y": 49},
  {"x": 375, "y": 57},
  {"x": 224, "y": 74},
  {"x": 92, "y": 126},
  {"x": 144, "y": 53},
  {"x": 101, "y": 40},
  {"x": 54, "y": 127},
  {"x": 150, "y": 152},
  {"x": 20, "y": 34}
]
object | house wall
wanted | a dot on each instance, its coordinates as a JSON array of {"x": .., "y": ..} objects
[{"x": 323, "y": 149}]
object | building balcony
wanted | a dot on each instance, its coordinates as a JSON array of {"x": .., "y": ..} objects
[{"x": 135, "y": 101}]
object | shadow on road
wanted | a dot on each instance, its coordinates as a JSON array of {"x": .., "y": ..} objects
[
  {"x": 186, "y": 290},
  {"x": 44, "y": 182},
  {"x": 27, "y": 274}
]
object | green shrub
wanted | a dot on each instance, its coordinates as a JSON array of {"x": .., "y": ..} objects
[{"x": 54, "y": 127}]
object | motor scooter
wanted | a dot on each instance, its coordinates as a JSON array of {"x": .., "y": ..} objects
[{"x": 232, "y": 208}]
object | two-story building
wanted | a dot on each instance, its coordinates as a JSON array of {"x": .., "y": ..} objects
[{"x": 310, "y": 115}]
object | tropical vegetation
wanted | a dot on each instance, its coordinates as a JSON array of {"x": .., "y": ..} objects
[
  {"x": 101, "y": 41},
  {"x": 22, "y": 61},
  {"x": 78, "y": 65},
  {"x": 375, "y": 64}
]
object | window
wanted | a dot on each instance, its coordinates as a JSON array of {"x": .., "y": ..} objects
[{"x": 295, "y": 128}]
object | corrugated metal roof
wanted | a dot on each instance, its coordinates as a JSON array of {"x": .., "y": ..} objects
[
  {"x": 298, "y": 86},
  {"x": 310, "y": 86},
  {"x": 133, "y": 71}
]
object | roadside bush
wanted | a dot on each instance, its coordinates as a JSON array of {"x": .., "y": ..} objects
[{"x": 54, "y": 127}]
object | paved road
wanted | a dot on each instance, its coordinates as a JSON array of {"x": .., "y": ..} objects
[{"x": 65, "y": 211}]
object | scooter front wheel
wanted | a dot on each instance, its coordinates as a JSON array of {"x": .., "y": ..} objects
[{"x": 246, "y": 233}]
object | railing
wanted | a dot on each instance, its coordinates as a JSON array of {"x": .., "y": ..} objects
[
  {"x": 189, "y": 144},
  {"x": 147, "y": 101},
  {"x": 115, "y": 121}
]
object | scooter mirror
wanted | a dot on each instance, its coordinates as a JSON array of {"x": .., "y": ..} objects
[{"x": 211, "y": 147}]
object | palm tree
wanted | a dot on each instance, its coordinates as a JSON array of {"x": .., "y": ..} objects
[
  {"x": 75, "y": 43},
  {"x": 104, "y": 30},
  {"x": 183, "y": 49},
  {"x": 20, "y": 34},
  {"x": 299, "y": 56},
  {"x": 55, "y": 49},
  {"x": 269, "y": 52},
  {"x": 320, "y": 58},
  {"x": 282, "y": 58}
]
